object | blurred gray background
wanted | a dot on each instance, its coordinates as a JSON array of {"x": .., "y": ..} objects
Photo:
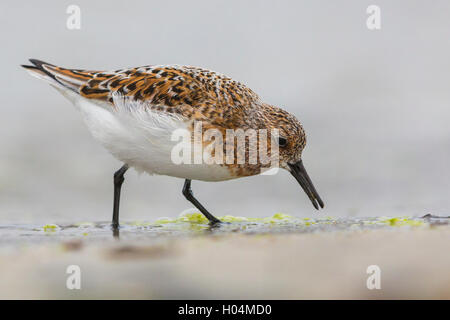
[{"x": 375, "y": 104}]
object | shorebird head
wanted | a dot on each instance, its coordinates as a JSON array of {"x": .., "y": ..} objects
[{"x": 291, "y": 142}]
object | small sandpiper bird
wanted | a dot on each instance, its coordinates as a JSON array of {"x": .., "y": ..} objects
[{"x": 133, "y": 113}]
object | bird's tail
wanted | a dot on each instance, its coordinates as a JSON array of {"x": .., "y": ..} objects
[
  {"x": 58, "y": 77},
  {"x": 37, "y": 70}
]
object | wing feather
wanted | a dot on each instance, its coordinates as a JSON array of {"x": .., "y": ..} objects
[{"x": 189, "y": 91}]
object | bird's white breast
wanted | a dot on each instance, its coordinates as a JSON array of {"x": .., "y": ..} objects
[{"x": 141, "y": 137}]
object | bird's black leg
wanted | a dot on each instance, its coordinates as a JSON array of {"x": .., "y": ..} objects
[
  {"x": 187, "y": 192},
  {"x": 118, "y": 180}
]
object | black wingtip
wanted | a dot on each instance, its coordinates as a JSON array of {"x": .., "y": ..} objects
[
  {"x": 27, "y": 66},
  {"x": 38, "y": 63}
]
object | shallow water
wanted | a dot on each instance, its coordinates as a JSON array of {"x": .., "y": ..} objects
[{"x": 194, "y": 224}]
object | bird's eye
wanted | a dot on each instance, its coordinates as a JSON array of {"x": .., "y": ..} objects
[{"x": 282, "y": 142}]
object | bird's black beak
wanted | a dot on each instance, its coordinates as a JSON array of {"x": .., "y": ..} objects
[{"x": 300, "y": 174}]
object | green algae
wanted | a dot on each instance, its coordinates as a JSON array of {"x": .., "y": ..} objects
[
  {"x": 401, "y": 221},
  {"x": 230, "y": 219},
  {"x": 285, "y": 219},
  {"x": 48, "y": 228},
  {"x": 200, "y": 218}
]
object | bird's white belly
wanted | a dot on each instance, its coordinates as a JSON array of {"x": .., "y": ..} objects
[{"x": 142, "y": 139}]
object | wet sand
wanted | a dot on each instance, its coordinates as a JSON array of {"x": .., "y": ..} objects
[{"x": 278, "y": 257}]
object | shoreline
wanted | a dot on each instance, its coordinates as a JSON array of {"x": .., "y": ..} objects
[{"x": 237, "y": 263}]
